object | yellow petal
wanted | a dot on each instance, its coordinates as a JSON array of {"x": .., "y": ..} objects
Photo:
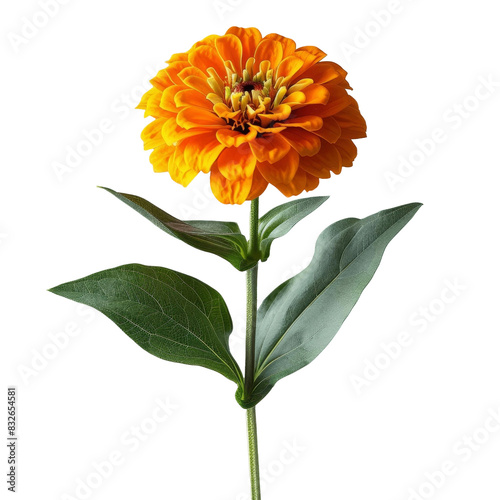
[
  {"x": 151, "y": 135},
  {"x": 145, "y": 98},
  {"x": 160, "y": 157}
]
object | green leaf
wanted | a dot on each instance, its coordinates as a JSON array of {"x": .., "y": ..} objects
[
  {"x": 171, "y": 315},
  {"x": 280, "y": 220},
  {"x": 299, "y": 319},
  {"x": 220, "y": 238}
]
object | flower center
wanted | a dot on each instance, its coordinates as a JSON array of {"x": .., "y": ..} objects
[
  {"x": 253, "y": 97},
  {"x": 247, "y": 86}
]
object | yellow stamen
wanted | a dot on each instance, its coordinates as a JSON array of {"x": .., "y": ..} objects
[
  {"x": 214, "y": 98},
  {"x": 244, "y": 101},
  {"x": 278, "y": 83},
  {"x": 235, "y": 100},
  {"x": 213, "y": 73},
  {"x": 279, "y": 96},
  {"x": 214, "y": 85},
  {"x": 249, "y": 66},
  {"x": 301, "y": 84}
]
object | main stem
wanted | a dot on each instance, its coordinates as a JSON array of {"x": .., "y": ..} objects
[{"x": 253, "y": 449}]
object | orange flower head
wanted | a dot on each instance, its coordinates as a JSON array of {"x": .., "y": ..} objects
[{"x": 251, "y": 111}]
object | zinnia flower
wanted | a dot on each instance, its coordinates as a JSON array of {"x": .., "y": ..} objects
[{"x": 252, "y": 111}]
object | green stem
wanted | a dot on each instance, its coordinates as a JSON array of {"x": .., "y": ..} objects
[
  {"x": 250, "y": 350},
  {"x": 253, "y": 451}
]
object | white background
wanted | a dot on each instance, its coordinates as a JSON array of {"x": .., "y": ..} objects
[{"x": 417, "y": 70}]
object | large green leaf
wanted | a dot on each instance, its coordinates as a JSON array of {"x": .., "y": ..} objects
[
  {"x": 278, "y": 221},
  {"x": 171, "y": 315},
  {"x": 220, "y": 238},
  {"x": 298, "y": 319}
]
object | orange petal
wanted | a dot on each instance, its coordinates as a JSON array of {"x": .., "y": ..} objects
[
  {"x": 151, "y": 135},
  {"x": 325, "y": 71},
  {"x": 330, "y": 131},
  {"x": 281, "y": 172},
  {"x": 352, "y": 123},
  {"x": 161, "y": 81},
  {"x": 347, "y": 150},
  {"x": 208, "y": 40},
  {"x": 197, "y": 117},
  {"x": 199, "y": 84},
  {"x": 229, "y": 192},
  {"x": 295, "y": 186},
  {"x": 268, "y": 50},
  {"x": 225, "y": 111},
  {"x": 316, "y": 94},
  {"x": 145, "y": 98},
  {"x": 312, "y": 182},
  {"x": 205, "y": 57},
  {"x": 268, "y": 130},
  {"x": 249, "y": 37},
  {"x": 305, "y": 143},
  {"x": 201, "y": 151},
  {"x": 191, "y": 97},
  {"x": 235, "y": 163},
  {"x": 310, "y": 123},
  {"x": 259, "y": 185},
  {"x": 178, "y": 169},
  {"x": 333, "y": 106},
  {"x": 270, "y": 148},
  {"x": 316, "y": 165},
  {"x": 278, "y": 114},
  {"x": 168, "y": 98},
  {"x": 230, "y": 48},
  {"x": 287, "y": 43},
  {"x": 172, "y": 133},
  {"x": 173, "y": 70},
  {"x": 153, "y": 106},
  {"x": 310, "y": 55},
  {"x": 295, "y": 98},
  {"x": 328, "y": 158},
  {"x": 181, "y": 56},
  {"x": 232, "y": 138},
  {"x": 160, "y": 157},
  {"x": 191, "y": 71},
  {"x": 289, "y": 67}
]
